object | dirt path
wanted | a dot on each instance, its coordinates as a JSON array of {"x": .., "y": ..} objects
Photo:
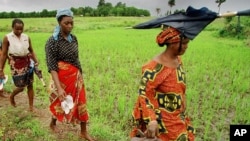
[{"x": 41, "y": 113}]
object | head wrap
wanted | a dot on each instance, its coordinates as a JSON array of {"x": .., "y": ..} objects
[
  {"x": 60, "y": 13},
  {"x": 66, "y": 12},
  {"x": 168, "y": 35}
]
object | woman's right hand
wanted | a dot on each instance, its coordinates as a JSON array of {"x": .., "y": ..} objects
[
  {"x": 60, "y": 91},
  {"x": 61, "y": 94}
]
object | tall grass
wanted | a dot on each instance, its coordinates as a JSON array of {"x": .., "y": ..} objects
[{"x": 218, "y": 74}]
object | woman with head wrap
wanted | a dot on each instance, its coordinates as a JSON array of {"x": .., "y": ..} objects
[
  {"x": 67, "y": 82},
  {"x": 159, "y": 111},
  {"x": 17, "y": 49}
]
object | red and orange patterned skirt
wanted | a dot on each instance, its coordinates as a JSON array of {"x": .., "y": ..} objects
[{"x": 72, "y": 82}]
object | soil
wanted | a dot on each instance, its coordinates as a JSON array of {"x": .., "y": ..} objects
[{"x": 41, "y": 113}]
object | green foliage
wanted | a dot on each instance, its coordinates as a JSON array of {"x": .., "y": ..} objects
[
  {"x": 171, "y": 3},
  {"x": 81, "y": 23},
  {"x": 236, "y": 27},
  {"x": 20, "y": 126},
  {"x": 103, "y": 10}
]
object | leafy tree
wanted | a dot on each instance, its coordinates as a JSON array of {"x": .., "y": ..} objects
[
  {"x": 120, "y": 4},
  {"x": 101, "y": 3},
  {"x": 158, "y": 10},
  {"x": 20, "y": 15},
  {"x": 80, "y": 11},
  {"x": 44, "y": 13},
  {"x": 88, "y": 11},
  {"x": 12, "y": 14},
  {"x": 179, "y": 10},
  {"x": 34, "y": 14},
  {"x": 219, "y": 3},
  {"x": 131, "y": 11},
  {"x": 171, "y": 3},
  {"x": 74, "y": 10},
  {"x": 142, "y": 12},
  {"x": 103, "y": 9},
  {"x": 119, "y": 9},
  {"x": 4, "y": 15}
]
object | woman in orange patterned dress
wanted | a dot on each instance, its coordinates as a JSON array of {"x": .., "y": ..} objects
[
  {"x": 159, "y": 111},
  {"x": 66, "y": 72}
]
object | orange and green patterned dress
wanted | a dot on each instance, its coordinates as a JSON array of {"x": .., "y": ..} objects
[{"x": 162, "y": 98}]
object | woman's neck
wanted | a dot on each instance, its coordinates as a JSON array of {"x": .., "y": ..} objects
[
  {"x": 167, "y": 54},
  {"x": 65, "y": 35},
  {"x": 167, "y": 59}
]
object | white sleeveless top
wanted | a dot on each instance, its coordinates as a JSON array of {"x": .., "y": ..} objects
[{"x": 18, "y": 46}]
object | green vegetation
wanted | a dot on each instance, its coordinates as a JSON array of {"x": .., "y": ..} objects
[
  {"x": 103, "y": 9},
  {"x": 218, "y": 78},
  {"x": 236, "y": 27},
  {"x": 18, "y": 125}
]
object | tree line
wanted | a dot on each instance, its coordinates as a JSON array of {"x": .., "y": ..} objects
[{"x": 103, "y": 9}]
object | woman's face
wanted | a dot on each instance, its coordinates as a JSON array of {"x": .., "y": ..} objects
[
  {"x": 67, "y": 24},
  {"x": 18, "y": 29},
  {"x": 176, "y": 46}
]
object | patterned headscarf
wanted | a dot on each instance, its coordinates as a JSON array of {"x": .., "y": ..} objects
[
  {"x": 59, "y": 13},
  {"x": 168, "y": 35},
  {"x": 66, "y": 12}
]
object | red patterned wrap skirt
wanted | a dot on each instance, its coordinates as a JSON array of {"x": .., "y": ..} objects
[{"x": 72, "y": 82}]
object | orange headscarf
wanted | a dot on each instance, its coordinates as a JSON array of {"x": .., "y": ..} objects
[{"x": 168, "y": 35}]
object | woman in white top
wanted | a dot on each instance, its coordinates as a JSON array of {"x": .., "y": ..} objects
[{"x": 17, "y": 47}]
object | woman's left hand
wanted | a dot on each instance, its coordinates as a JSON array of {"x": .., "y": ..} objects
[{"x": 152, "y": 129}]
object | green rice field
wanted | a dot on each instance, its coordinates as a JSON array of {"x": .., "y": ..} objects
[{"x": 218, "y": 77}]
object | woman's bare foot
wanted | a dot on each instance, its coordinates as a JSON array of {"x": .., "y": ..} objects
[
  {"x": 33, "y": 109},
  {"x": 12, "y": 100},
  {"x": 54, "y": 128},
  {"x": 87, "y": 137}
]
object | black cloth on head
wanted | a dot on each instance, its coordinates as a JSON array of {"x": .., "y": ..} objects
[{"x": 190, "y": 23}]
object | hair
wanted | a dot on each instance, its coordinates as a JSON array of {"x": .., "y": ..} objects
[
  {"x": 59, "y": 19},
  {"x": 162, "y": 45},
  {"x": 17, "y": 21}
]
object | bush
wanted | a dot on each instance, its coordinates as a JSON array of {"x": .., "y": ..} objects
[{"x": 236, "y": 27}]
